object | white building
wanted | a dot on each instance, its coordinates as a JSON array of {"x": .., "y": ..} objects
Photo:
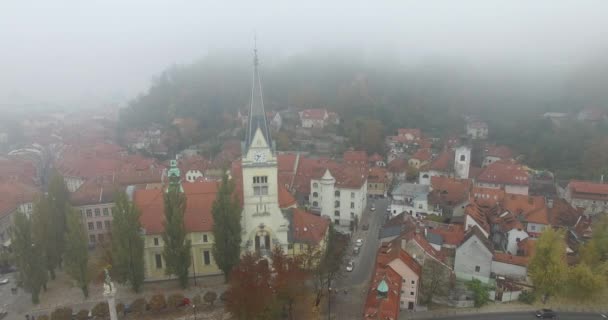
[
  {"x": 342, "y": 197},
  {"x": 590, "y": 196},
  {"x": 317, "y": 118},
  {"x": 413, "y": 199},
  {"x": 462, "y": 162},
  {"x": 506, "y": 175},
  {"x": 477, "y": 129},
  {"x": 263, "y": 224}
]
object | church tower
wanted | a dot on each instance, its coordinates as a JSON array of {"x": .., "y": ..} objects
[
  {"x": 462, "y": 162},
  {"x": 263, "y": 223}
]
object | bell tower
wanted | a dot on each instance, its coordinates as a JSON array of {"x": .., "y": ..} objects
[{"x": 263, "y": 223}]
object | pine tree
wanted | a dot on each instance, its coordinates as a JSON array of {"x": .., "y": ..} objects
[
  {"x": 127, "y": 243},
  {"x": 29, "y": 257},
  {"x": 58, "y": 197},
  {"x": 43, "y": 233},
  {"x": 226, "y": 228},
  {"x": 548, "y": 265},
  {"x": 177, "y": 247},
  {"x": 76, "y": 252}
]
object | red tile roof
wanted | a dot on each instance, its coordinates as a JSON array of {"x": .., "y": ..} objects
[
  {"x": 480, "y": 214},
  {"x": 94, "y": 191},
  {"x": 527, "y": 246},
  {"x": 532, "y": 208},
  {"x": 308, "y": 227},
  {"x": 390, "y": 251},
  {"x": 398, "y": 165},
  {"x": 377, "y": 307},
  {"x": 563, "y": 214},
  {"x": 487, "y": 196},
  {"x": 12, "y": 170},
  {"x": 375, "y": 157},
  {"x": 450, "y": 190},
  {"x": 286, "y": 199},
  {"x": 452, "y": 234},
  {"x": 504, "y": 172},
  {"x": 377, "y": 175},
  {"x": 355, "y": 157},
  {"x": 510, "y": 259},
  {"x": 588, "y": 190},
  {"x": 15, "y": 194},
  {"x": 314, "y": 114},
  {"x": 423, "y": 243},
  {"x": 415, "y": 133},
  {"x": 501, "y": 152},
  {"x": 197, "y": 218},
  {"x": 443, "y": 161},
  {"x": 423, "y": 154}
]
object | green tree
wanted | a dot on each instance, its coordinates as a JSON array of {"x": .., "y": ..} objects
[
  {"x": 177, "y": 248},
  {"x": 76, "y": 253},
  {"x": 547, "y": 268},
  {"x": 43, "y": 234},
  {"x": 226, "y": 212},
  {"x": 58, "y": 198},
  {"x": 29, "y": 257},
  {"x": 435, "y": 281},
  {"x": 590, "y": 254},
  {"x": 600, "y": 238},
  {"x": 127, "y": 243},
  {"x": 480, "y": 292},
  {"x": 583, "y": 283}
]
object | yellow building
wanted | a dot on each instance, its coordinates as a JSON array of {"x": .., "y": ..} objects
[{"x": 198, "y": 221}]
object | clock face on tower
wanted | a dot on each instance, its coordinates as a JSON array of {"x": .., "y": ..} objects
[{"x": 259, "y": 157}]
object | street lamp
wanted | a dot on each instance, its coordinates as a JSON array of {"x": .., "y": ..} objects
[{"x": 194, "y": 309}]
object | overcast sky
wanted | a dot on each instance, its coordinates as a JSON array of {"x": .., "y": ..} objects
[{"x": 61, "y": 50}]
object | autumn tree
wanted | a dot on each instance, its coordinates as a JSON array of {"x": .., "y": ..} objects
[
  {"x": 127, "y": 243},
  {"x": 177, "y": 247},
  {"x": 226, "y": 213},
  {"x": 329, "y": 265},
  {"x": 29, "y": 256},
  {"x": 435, "y": 281},
  {"x": 289, "y": 281},
  {"x": 44, "y": 234},
  {"x": 249, "y": 294},
  {"x": 76, "y": 254},
  {"x": 547, "y": 268},
  {"x": 583, "y": 283}
]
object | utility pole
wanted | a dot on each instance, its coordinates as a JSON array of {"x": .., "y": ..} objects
[{"x": 328, "y": 297}]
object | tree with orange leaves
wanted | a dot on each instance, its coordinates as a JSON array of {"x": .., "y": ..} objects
[{"x": 249, "y": 294}]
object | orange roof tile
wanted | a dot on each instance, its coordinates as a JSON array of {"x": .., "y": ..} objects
[
  {"x": 510, "y": 259},
  {"x": 415, "y": 133},
  {"x": 423, "y": 154},
  {"x": 452, "y": 234},
  {"x": 504, "y": 172},
  {"x": 397, "y": 165},
  {"x": 314, "y": 114},
  {"x": 588, "y": 190},
  {"x": 377, "y": 307},
  {"x": 501, "y": 152},
  {"x": 532, "y": 208},
  {"x": 355, "y": 156},
  {"x": 450, "y": 190},
  {"x": 443, "y": 161},
  {"x": 309, "y": 227},
  {"x": 199, "y": 201}
]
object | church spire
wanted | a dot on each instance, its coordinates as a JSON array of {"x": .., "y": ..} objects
[{"x": 257, "y": 115}]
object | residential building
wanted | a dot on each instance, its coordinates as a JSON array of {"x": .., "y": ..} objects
[
  {"x": 510, "y": 266},
  {"x": 420, "y": 158},
  {"x": 16, "y": 197},
  {"x": 377, "y": 182},
  {"x": 474, "y": 257},
  {"x": 477, "y": 129},
  {"x": 397, "y": 169},
  {"x": 391, "y": 255},
  {"x": 591, "y": 197},
  {"x": 507, "y": 175},
  {"x": 376, "y": 160},
  {"x": 493, "y": 153},
  {"x": 449, "y": 193},
  {"x": 95, "y": 202},
  {"x": 308, "y": 233},
  {"x": 442, "y": 165},
  {"x": 317, "y": 118},
  {"x": 411, "y": 198},
  {"x": 383, "y": 297}
]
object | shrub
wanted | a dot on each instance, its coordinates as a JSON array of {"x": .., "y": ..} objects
[
  {"x": 480, "y": 292},
  {"x": 157, "y": 303},
  {"x": 62, "y": 314},
  {"x": 82, "y": 315},
  {"x": 197, "y": 301},
  {"x": 101, "y": 310},
  {"x": 175, "y": 300},
  {"x": 527, "y": 297},
  {"x": 210, "y": 297},
  {"x": 138, "y": 306}
]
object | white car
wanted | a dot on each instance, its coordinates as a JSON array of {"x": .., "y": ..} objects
[
  {"x": 4, "y": 281},
  {"x": 373, "y": 208},
  {"x": 350, "y": 266},
  {"x": 359, "y": 242}
]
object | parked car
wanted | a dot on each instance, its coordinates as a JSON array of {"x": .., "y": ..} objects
[
  {"x": 359, "y": 242},
  {"x": 365, "y": 227},
  {"x": 350, "y": 266},
  {"x": 356, "y": 250},
  {"x": 4, "y": 281},
  {"x": 546, "y": 314},
  {"x": 372, "y": 208}
]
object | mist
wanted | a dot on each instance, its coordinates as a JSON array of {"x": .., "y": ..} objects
[{"x": 73, "y": 54}]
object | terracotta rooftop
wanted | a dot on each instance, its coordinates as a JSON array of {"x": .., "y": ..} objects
[
  {"x": 314, "y": 114},
  {"x": 563, "y": 214},
  {"x": 397, "y": 165},
  {"x": 532, "y": 208},
  {"x": 415, "y": 133},
  {"x": 504, "y": 172},
  {"x": 355, "y": 157},
  {"x": 487, "y": 196},
  {"x": 375, "y": 157},
  {"x": 443, "y": 162},
  {"x": 510, "y": 259},
  {"x": 15, "y": 194},
  {"x": 450, "y": 190},
  {"x": 308, "y": 227},
  {"x": 452, "y": 234},
  {"x": 198, "y": 217},
  {"x": 423, "y": 154},
  {"x": 501, "y": 152},
  {"x": 377, "y": 175},
  {"x": 588, "y": 190},
  {"x": 383, "y": 307},
  {"x": 475, "y": 231},
  {"x": 94, "y": 191}
]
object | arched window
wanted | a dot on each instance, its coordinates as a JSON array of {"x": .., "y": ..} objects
[
  {"x": 462, "y": 157},
  {"x": 314, "y": 185},
  {"x": 425, "y": 176},
  {"x": 337, "y": 193},
  {"x": 314, "y": 194},
  {"x": 315, "y": 204}
]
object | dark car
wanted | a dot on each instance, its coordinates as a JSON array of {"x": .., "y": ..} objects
[
  {"x": 365, "y": 227},
  {"x": 546, "y": 314}
]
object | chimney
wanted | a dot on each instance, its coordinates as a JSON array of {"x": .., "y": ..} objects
[{"x": 549, "y": 203}]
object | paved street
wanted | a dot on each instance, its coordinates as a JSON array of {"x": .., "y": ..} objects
[
  {"x": 350, "y": 305},
  {"x": 517, "y": 316}
]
